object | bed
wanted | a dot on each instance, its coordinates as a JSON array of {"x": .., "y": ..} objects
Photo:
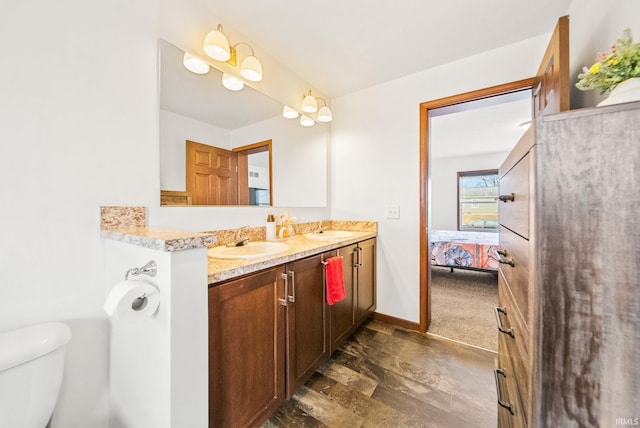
[{"x": 462, "y": 249}]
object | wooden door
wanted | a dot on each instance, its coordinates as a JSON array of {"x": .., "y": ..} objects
[
  {"x": 552, "y": 82},
  {"x": 246, "y": 349},
  {"x": 366, "y": 263},
  {"x": 307, "y": 321},
  {"x": 343, "y": 313},
  {"x": 212, "y": 175}
]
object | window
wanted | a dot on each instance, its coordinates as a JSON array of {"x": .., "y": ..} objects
[{"x": 478, "y": 200}]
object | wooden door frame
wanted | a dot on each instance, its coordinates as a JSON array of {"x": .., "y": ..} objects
[
  {"x": 425, "y": 179},
  {"x": 243, "y": 168}
]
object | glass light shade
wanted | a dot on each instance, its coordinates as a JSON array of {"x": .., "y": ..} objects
[
  {"x": 289, "y": 113},
  {"x": 251, "y": 69},
  {"x": 324, "y": 114},
  {"x": 306, "y": 121},
  {"x": 195, "y": 64},
  {"x": 232, "y": 83},
  {"x": 309, "y": 104},
  {"x": 216, "y": 45}
]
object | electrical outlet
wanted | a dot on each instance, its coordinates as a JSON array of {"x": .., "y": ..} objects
[{"x": 393, "y": 211}]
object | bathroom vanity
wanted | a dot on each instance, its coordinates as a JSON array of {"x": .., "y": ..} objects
[
  {"x": 269, "y": 330},
  {"x": 232, "y": 338}
]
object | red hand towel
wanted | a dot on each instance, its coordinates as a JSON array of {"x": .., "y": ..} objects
[{"x": 334, "y": 280}]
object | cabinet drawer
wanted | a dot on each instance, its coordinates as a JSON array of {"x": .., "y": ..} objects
[
  {"x": 514, "y": 342},
  {"x": 508, "y": 392},
  {"x": 516, "y": 251},
  {"x": 514, "y": 214}
]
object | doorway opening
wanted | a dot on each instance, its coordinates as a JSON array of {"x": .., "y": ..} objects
[{"x": 432, "y": 155}]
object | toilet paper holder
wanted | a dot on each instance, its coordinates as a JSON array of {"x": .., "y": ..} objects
[{"x": 150, "y": 269}]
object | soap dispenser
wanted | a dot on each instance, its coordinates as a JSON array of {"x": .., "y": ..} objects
[{"x": 271, "y": 227}]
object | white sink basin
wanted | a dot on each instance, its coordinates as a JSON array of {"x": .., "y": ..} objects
[
  {"x": 331, "y": 234},
  {"x": 252, "y": 250}
]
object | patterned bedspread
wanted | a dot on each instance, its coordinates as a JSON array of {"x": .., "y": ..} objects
[{"x": 475, "y": 250}]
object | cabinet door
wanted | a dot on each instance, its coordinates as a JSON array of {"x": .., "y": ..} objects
[
  {"x": 307, "y": 321},
  {"x": 246, "y": 349},
  {"x": 343, "y": 313},
  {"x": 366, "y": 265}
]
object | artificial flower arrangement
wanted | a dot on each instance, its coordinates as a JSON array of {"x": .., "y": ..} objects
[{"x": 621, "y": 64}]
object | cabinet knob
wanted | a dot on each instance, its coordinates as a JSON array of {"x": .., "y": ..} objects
[
  {"x": 507, "y": 198},
  {"x": 506, "y": 261}
]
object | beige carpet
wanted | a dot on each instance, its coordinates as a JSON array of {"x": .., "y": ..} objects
[{"x": 462, "y": 306}]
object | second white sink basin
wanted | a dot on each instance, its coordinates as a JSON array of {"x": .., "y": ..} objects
[
  {"x": 330, "y": 234},
  {"x": 252, "y": 250}
]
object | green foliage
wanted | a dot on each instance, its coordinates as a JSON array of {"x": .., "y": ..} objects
[{"x": 621, "y": 64}]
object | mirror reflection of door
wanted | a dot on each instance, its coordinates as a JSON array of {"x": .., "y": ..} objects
[
  {"x": 212, "y": 175},
  {"x": 217, "y": 176},
  {"x": 255, "y": 184}
]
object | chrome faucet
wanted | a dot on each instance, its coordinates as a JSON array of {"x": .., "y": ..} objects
[
  {"x": 320, "y": 228},
  {"x": 240, "y": 239}
]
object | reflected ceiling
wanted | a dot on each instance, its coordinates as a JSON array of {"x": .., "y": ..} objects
[{"x": 203, "y": 97}]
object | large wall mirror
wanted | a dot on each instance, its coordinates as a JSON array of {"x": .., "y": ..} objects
[{"x": 280, "y": 162}]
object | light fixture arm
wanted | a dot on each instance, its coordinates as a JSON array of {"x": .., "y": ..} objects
[{"x": 233, "y": 59}]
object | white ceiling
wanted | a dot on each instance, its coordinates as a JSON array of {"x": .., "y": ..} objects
[
  {"x": 341, "y": 46},
  {"x": 482, "y": 128}
]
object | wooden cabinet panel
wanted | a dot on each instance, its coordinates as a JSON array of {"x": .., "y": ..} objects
[
  {"x": 516, "y": 250},
  {"x": 516, "y": 344},
  {"x": 508, "y": 392},
  {"x": 307, "y": 320},
  {"x": 343, "y": 313},
  {"x": 366, "y": 265},
  {"x": 246, "y": 349},
  {"x": 514, "y": 214},
  {"x": 269, "y": 331}
]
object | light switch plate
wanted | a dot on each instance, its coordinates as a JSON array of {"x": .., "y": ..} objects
[{"x": 393, "y": 211}]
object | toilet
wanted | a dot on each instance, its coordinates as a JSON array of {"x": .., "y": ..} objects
[{"x": 31, "y": 367}]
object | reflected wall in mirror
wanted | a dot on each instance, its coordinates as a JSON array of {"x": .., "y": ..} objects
[{"x": 281, "y": 162}]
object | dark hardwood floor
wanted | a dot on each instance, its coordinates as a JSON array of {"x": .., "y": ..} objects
[{"x": 387, "y": 376}]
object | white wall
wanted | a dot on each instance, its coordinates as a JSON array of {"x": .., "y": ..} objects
[
  {"x": 299, "y": 156},
  {"x": 444, "y": 185},
  {"x": 375, "y": 139},
  {"x": 174, "y": 130},
  {"x": 79, "y": 129},
  {"x": 594, "y": 26},
  {"x": 375, "y": 158}
]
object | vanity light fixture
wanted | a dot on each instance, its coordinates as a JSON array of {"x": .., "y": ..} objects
[
  {"x": 289, "y": 113},
  {"x": 195, "y": 64},
  {"x": 231, "y": 82},
  {"x": 306, "y": 121},
  {"x": 250, "y": 68},
  {"x": 309, "y": 104},
  {"x": 216, "y": 45},
  {"x": 324, "y": 114}
]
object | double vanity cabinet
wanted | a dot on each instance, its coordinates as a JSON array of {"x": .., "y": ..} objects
[{"x": 270, "y": 330}]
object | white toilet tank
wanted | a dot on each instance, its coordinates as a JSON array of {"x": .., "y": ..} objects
[{"x": 31, "y": 367}]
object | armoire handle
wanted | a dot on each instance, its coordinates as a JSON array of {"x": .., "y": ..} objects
[
  {"x": 508, "y": 331},
  {"x": 506, "y": 198},
  {"x": 502, "y": 403}
]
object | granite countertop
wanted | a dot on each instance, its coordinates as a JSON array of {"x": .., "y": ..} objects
[
  {"x": 160, "y": 239},
  {"x": 219, "y": 270},
  {"x": 300, "y": 247}
]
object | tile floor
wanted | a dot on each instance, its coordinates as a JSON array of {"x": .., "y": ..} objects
[{"x": 387, "y": 376}]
